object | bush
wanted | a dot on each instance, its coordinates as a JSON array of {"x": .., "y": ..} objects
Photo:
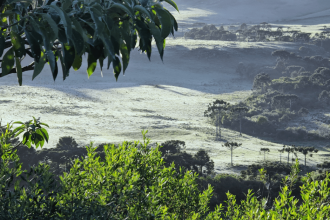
[
  {"x": 262, "y": 120},
  {"x": 224, "y": 183},
  {"x": 66, "y": 143},
  {"x": 132, "y": 183}
]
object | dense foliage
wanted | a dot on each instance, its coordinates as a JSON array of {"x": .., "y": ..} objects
[
  {"x": 64, "y": 30},
  {"x": 287, "y": 92},
  {"x": 132, "y": 182}
]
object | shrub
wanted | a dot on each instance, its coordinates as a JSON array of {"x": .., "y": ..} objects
[
  {"x": 132, "y": 183},
  {"x": 66, "y": 143},
  {"x": 262, "y": 120}
]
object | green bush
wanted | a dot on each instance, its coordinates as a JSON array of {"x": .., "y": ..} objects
[
  {"x": 133, "y": 183},
  {"x": 262, "y": 120}
]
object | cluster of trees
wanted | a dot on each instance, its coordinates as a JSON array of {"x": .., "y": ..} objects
[
  {"x": 282, "y": 93},
  {"x": 256, "y": 33},
  {"x": 173, "y": 151}
]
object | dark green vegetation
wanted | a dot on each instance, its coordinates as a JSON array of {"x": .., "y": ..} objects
[
  {"x": 132, "y": 181},
  {"x": 294, "y": 87},
  {"x": 101, "y": 29}
]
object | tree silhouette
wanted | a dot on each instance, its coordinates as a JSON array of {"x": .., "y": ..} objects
[
  {"x": 260, "y": 81},
  {"x": 281, "y": 151},
  {"x": 264, "y": 150},
  {"x": 172, "y": 147},
  {"x": 306, "y": 150},
  {"x": 216, "y": 111},
  {"x": 203, "y": 159},
  {"x": 239, "y": 111},
  {"x": 288, "y": 150},
  {"x": 232, "y": 146}
]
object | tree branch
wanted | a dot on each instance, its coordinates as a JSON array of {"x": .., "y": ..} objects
[{"x": 24, "y": 69}]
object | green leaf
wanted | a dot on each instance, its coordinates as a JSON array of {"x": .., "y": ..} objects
[
  {"x": 78, "y": 42},
  {"x": 18, "y": 44},
  {"x": 172, "y": 3},
  {"x": 2, "y": 43},
  {"x": 65, "y": 19},
  {"x": 126, "y": 34},
  {"x": 68, "y": 59},
  {"x": 7, "y": 62},
  {"x": 125, "y": 56},
  {"x": 52, "y": 24},
  {"x": 165, "y": 20},
  {"x": 44, "y": 124},
  {"x": 159, "y": 40},
  {"x": 18, "y": 70},
  {"x": 26, "y": 137},
  {"x": 116, "y": 67},
  {"x": 34, "y": 45},
  {"x": 64, "y": 71},
  {"x": 143, "y": 10},
  {"x": 77, "y": 26},
  {"x": 77, "y": 62},
  {"x": 66, "y": 4},
  {"x": 99, "y": 25},
  {"x": 125, "y": 8},
  {"x": 52, "y": 63},
  {"x": 44, "y": 133},
  {"x": 91, "y": 64},
  {"x": 108, "y": 21},
  {"x": 38, "y": 66},
  {"x": 109, "y": 46}
]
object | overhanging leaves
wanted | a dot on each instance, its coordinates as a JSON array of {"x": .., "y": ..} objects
[
  {"x": 110, "y": 28},
  {"x": 65, "y": 19},
  {"x": 34, "y": 45},
  {"x": 165, "y": 20}
]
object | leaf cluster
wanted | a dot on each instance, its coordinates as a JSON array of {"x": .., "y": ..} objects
[{"x": 51, "y": 31}]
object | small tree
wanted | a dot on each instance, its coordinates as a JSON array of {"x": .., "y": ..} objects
[
  {"x": 239, "y": 112},
  {"x": 172, "y": 147},
  {"x": 261, "y": 81},
  {"x": 281, "y": 151},
  {"x": 216, "y": 111},
  {"x": 232, "y": 146},
  {"x": 203, "y": 159},
  {"x": 264, "y": 150},
  {"x": 288, "y": 150},
  {"x": 306, "y": 150}
]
